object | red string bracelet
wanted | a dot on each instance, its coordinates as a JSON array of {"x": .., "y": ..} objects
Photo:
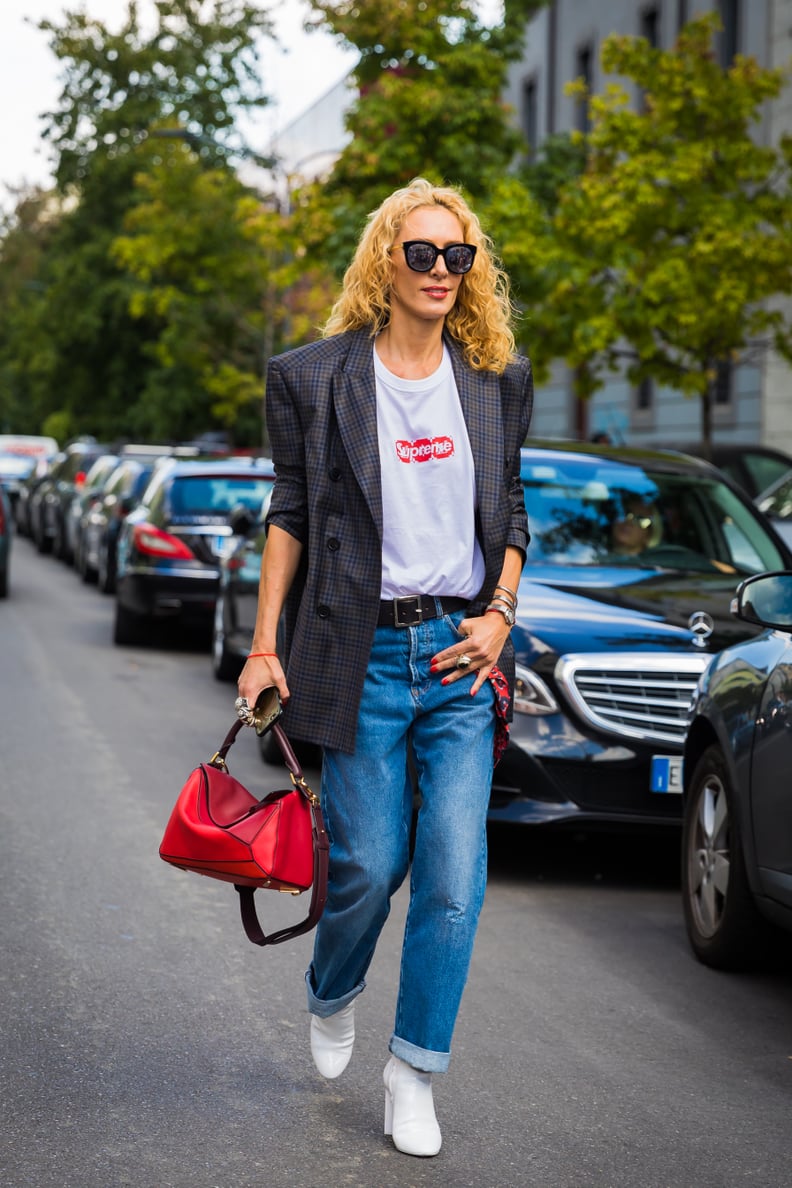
[{"x": 251, "y": 654}]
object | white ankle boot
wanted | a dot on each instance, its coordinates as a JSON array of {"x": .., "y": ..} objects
[
  {"x": 409, "y": 1109},
  {"x": 332, "y": 1040}
]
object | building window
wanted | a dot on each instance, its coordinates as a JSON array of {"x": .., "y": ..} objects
[
  {"x": 683, "y": 14},
  {"x": 650, "y": 26},
  {"x": 644, "y": 396},
  {"x": 729, "y": 39},
  {"x": 724, "y": 385},
  {"x": 584, "y": 66},
  {"x": 530, "y": 116}
]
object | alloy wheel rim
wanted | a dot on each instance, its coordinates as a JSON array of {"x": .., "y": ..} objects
[{"x": 708, "y": 857}]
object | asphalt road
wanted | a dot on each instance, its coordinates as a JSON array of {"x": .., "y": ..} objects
[{"x": 145, "y": 1042}]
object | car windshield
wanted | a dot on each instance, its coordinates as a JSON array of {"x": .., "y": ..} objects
[
  {"x": 213, "y": 495},
  {"x": 594, "y": 511}
]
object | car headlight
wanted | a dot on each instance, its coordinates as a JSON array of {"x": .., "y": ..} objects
[{"x": 531, "y": 694}]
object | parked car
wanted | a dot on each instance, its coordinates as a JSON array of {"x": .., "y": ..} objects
[
  {"x": 95, "y": 477},
  {"x": 50, "y": 499},
  {"x": 752, "y": 467},
  {"x": 169, "y": 546},
  {"x": 237, "y": 596},
  {"x": 737, "y": 835},
  {"x": 776, "y": 504},
  {"x": 609, "y": 643},
  {"x": 5, "y": 540},
  {"x": 102, "y": 519},
  {"x": 20, "y": 455}
]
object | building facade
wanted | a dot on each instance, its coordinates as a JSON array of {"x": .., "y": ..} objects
[{"x": 563, "y": 42}]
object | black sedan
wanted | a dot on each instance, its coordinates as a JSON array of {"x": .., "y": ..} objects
[
  {"x": 170, "y": 545},
  {"x": 624, "y": 601},
  {"x": 737, "y": 836}
]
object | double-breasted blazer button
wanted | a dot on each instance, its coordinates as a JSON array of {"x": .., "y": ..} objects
[
  {"x": 323, "y": 611},
  {"x": 334, "y": 544},
  {"x": 334, "y": 474}
]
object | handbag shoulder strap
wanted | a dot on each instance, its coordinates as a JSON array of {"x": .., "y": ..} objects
[
  {"x": 321, "y": 856},
  {"x": 321, "y": 848}
]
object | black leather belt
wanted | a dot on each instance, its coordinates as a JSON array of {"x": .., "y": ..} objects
[{"x": 412, "y": 609}]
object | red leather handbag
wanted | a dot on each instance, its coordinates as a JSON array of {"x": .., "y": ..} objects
[{"x": 218, "y": 828}]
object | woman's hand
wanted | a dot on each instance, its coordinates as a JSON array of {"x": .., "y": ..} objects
[
  {"x": 485, "y": 637},
  {"x": 259, "y": 673}
]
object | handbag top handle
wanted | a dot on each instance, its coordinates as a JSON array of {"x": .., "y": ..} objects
[{"x": 286, "y": 750}]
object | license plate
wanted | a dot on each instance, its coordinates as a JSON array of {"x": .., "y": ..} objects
[{"x": 666, "y": 774}]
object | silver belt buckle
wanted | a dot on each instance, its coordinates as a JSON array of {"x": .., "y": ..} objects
[{"x": 411, "y": 604}]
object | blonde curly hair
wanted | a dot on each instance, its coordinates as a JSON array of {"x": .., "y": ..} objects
[{"x": 481, "y": 319}]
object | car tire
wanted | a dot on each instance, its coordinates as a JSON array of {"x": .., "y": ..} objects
[
  {"x": 105, "y": 578},
  {"x": 129, "y": 628},
  {"x": 725, "y": 928},
  {"x": 225, "y": 665},
  {"x": 60, "y": 548},
  {"x": 87, "y": 572},
  {"x": 3, "y": 583},
  {"x": 43, "y": 542}
]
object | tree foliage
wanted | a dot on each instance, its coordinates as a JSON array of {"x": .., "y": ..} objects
[
  {"x": 430, "y": 79},
  {"x": 666, "y": 255},
  {"x": 90, "y": 354}
]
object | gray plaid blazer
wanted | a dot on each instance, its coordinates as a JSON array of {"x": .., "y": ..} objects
[{"x": 322, "y": 421}]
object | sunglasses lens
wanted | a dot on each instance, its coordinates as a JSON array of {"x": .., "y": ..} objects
[
  {"x": 459, "y": 258},
  {"x": 420, "y": 256}
]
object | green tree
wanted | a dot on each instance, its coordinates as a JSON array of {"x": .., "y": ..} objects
[
  {"x": 192, "y": 73},
  {"x": 430, "y": 79},
  {"x": 666, "y": 256},
  {"x": 25, "y": 238},
  {"x": 214, "y": 267}
]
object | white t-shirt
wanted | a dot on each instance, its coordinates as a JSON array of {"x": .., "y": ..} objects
[{"x": 428, "y": 486}]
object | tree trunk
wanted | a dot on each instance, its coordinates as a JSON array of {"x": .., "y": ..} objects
[{"x": 707, "y": 402}]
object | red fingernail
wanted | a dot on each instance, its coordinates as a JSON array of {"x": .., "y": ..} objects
[{"x": 444, "y": 681}]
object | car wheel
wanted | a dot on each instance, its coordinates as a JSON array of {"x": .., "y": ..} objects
[
  {"x": 60, "y": 548},
  {"x": 129, "y": 628},
  {"x": 106, "y": 574},
  {"x": 87, "y": 572},
  {"x": 724, "y": 926},
  {"x": 225, "y": 666},
  {"x": 3, "y": 583},
  {"x": 43, "y": 542}
]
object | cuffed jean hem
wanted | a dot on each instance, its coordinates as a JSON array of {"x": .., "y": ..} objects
[
  {"x": 325, "y": 1008},
  {"x": 420, "y": 1058}
]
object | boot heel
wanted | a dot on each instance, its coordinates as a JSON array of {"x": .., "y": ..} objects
[{"x": 388, "y": 1112}]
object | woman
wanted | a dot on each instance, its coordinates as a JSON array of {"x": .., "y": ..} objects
[{"x": 396, "y": 537}]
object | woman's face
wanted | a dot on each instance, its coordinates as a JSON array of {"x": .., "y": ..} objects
[{"x": 425, "y": 296}]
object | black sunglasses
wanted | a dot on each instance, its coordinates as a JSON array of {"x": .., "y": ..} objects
[{"x": 421, "y": 256}]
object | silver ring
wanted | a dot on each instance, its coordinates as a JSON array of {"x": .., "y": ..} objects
[
  {"x": 243, "y": 711},
  {"x": 463, "y": 661}
]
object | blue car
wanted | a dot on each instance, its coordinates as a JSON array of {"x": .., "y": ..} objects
[
  {"x": 624, "y": 602},
  {"x": 737, "y": 835}
]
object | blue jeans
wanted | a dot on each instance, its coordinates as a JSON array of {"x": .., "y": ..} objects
[{"x": 367, "y": 799}]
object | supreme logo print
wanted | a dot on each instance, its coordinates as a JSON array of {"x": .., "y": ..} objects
[{"x": 425, "y": 448}]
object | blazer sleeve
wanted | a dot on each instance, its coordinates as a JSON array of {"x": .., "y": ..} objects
[
  {"x": 288, "y": 506},
  {"x": 517, "y": 407}
]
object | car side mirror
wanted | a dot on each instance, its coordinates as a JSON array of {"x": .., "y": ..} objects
[{"x": 765, "y": 599}]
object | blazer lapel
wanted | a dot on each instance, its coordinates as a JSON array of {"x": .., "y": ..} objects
[{"x": 355, "y": 398}]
